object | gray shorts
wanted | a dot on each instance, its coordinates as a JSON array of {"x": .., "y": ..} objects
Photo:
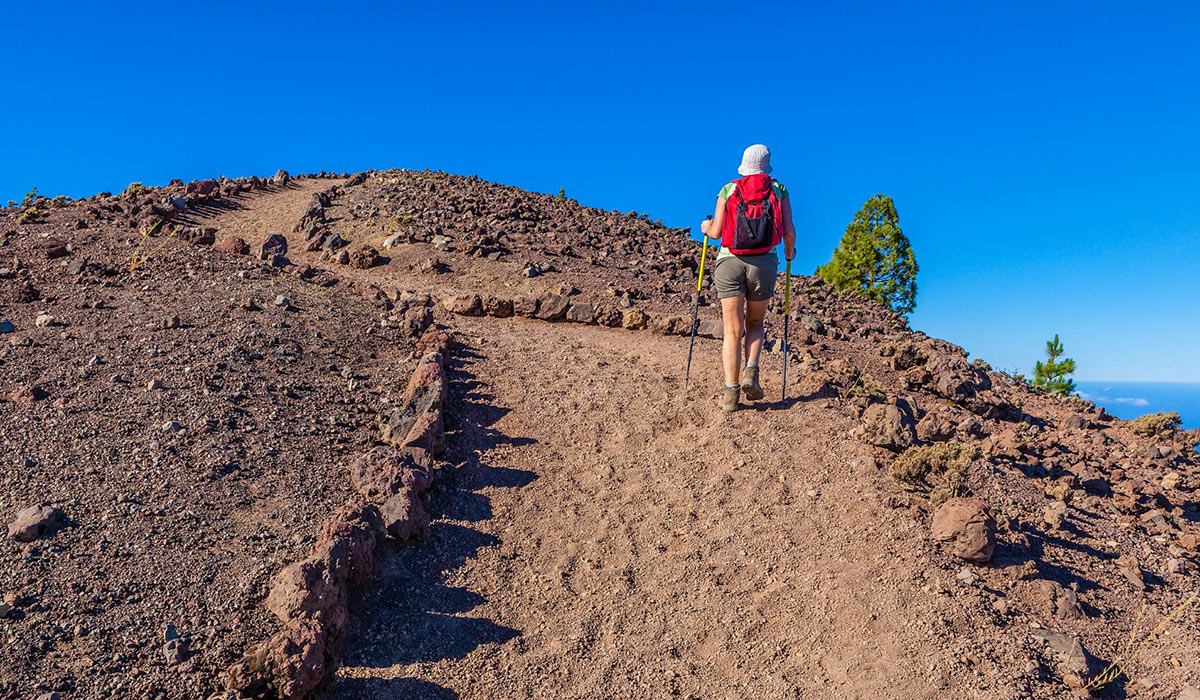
[{"x": 751, "y": 275}]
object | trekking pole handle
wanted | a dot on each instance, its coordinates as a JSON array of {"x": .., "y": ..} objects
[{"x": 703, "y": 254}]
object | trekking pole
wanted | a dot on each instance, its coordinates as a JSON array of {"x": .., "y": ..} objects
[
  {"x": 696, "y": 312},
  {"x": 787, "y": 311}
]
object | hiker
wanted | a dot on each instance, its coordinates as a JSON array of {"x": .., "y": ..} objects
[{"x": 753, "y": 216}]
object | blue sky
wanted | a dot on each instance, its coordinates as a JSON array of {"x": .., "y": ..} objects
[{"x": 1043, "y": 156}]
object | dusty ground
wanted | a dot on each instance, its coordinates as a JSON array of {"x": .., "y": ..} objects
[{"x": 598, "y": 532}]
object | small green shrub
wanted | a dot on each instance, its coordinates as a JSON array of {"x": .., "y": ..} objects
[
  {"x": 562, "y": 193},
  {"x": 1155, "y": 424},
  {"x": 31, "y": 216},
  {"x": 30, "y": 197}
]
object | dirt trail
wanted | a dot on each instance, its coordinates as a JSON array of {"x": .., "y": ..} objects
[
  {"x": 599, "y": 535},
  {"x": 261, "y": 214}
]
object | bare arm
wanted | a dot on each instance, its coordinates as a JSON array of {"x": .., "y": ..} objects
[
  {"x": 789, "y": 231},
  {"x": 712, "y": 227}
]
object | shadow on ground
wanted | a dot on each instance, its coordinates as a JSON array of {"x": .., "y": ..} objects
[{"x": 408, "y": 614}]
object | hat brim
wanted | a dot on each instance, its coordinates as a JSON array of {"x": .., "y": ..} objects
[{"x": 746, "y": 172}]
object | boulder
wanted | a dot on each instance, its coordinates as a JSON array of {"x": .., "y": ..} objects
[
  {"x": 634, "y": 319},
  {"x": 404, "y": 515},
  {"x": 552, "y": 307},
  {"x": 334, "y": 243},
  {"x": 887, "y": 426},
  {"x": 709, "y": 328},
  {"x": 314, "y": 588},
  {"x": 364, "y": 257},
  {"x": 936, "y": 426},
  {"x": 233, "y": 244},
  {"x": 464, "y": 304},
  {"x": 276, "y": 244},
  {"x": 525, "y": 306},
  {"x": 965, "y": 529},
  {"x": 281, "y": 177},
  {"x": 289, "y": 665},
  {"x": 383, "y": 471},
  {"x": 350, "y": 533},
  {"x": 427, "y": 433},
  {"x": 581, "y": 312},
  {"x": 36, "y": 522},
  {"x": 203, "y": 235},
  {"x": 497, "y": 307},
  {"x": 201, "y": 187}
]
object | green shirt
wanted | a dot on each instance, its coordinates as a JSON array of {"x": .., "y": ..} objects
[{"x": 780, "y": 192}]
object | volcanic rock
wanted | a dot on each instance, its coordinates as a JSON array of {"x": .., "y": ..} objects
[
  {"x": 36, "y": 522},
  {"x": 552, "y": 307},
  {"x": 965, "y": 529},
  {"x": 276, "y": 244},
  {"x": 233, "y": 244},
  {"x": 464, "y": 304},
  {"x": 887, "y": 426},
  {"x": 364, "y": 257}
]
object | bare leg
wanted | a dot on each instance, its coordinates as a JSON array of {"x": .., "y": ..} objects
[
  {"x": 731, "y": 344},
  {"x": 756, "y": 311}
]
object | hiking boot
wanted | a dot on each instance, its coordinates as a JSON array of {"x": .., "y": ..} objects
[
  {"x": 729, "y": 399},
  {"x": 749, "y": 383}
]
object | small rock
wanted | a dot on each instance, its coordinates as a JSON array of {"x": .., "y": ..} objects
[
  {"x": 44, "y": 320},
  {"x": 532, "y": 271},
  {"x": 1129, "y": 567},
  {"x": 1054, "y": 514},
  {"x": 282, "y": 301},
  {"x": 1175, "y": 566},
  {"x": 35, "y": 522},
  {"x": 1189, "y": 693},
  {"x": 170, "y": 427},
  {"x": 172, "y": 322},
  {"x": 154, "y": 385},
  {"x": 175, "y": 651}
]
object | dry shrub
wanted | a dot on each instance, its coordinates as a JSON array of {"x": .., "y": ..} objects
[
  {"x": 948, "y": 459},
  {"x": 1156, "y": 424},
  {"x": 865, "y": 385}
]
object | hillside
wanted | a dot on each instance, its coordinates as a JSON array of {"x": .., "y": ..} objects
[{"x": 432, "y": 432}]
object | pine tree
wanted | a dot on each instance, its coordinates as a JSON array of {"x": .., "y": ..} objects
[
  {"x": 875, "y": 258},
  {"x": 1051, "y": 375}
]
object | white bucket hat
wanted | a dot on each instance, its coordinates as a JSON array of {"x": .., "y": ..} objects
[{"x": 756, "y": 160}]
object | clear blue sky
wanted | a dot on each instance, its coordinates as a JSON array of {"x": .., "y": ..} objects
[{"x": 1043, "y": 156}]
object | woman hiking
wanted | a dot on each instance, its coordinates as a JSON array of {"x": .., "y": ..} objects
[{"x": 753, "y": 216}]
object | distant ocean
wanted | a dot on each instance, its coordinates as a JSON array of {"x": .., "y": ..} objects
[{"x": 1133, "y": 399}]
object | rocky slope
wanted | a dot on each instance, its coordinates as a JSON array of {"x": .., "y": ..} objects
[{"x": 190, "y": 370}]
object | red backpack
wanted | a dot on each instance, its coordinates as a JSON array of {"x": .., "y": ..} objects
[{"x": 753, "y": 217}]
